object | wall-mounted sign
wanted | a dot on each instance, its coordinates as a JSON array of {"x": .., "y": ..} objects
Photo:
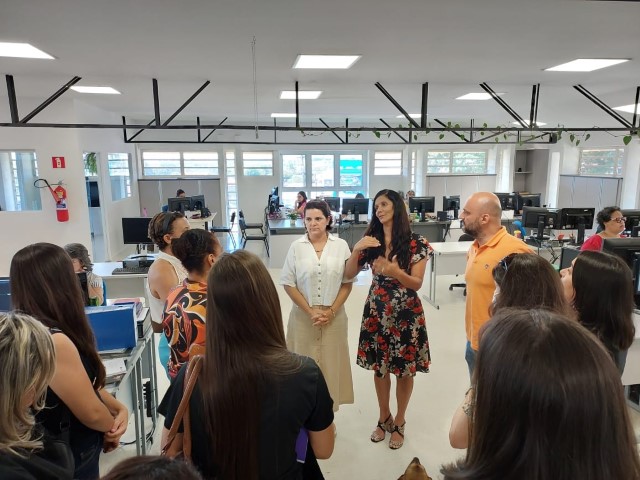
[{"x": 57, "y": 162}]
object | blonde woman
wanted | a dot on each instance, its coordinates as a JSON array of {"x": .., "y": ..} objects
[{"x": 28, "y": 362}]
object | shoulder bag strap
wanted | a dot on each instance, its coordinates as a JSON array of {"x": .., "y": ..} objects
[{"x": 193, "y": 369}]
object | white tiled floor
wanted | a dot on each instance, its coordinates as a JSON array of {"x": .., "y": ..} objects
[{"x": 435, "y": 396}]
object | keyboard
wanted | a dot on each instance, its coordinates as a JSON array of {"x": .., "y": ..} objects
[{"x": 130, "y": 271}]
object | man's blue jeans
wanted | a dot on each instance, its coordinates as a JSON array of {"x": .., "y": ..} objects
[{"x": 470, "y": 357}]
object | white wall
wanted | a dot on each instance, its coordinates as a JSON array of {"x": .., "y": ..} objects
[
  {"x": 103, "y": 142},
  {"x": 19, "y": 229}
]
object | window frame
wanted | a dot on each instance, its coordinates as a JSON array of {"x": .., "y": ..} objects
[
  {"x": 216, "y": 163},
  {"x": 266, "y": 167},
  {"x": 617, "y": 169},
  {"x": 451, "y": 163},
  {"x": 389, "y": 167}
]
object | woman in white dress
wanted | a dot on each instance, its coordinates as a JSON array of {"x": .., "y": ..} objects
[{"x": 313, "y": 277}]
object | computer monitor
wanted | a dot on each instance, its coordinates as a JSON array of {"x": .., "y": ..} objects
[
  {"x": 135, "y": 231},
  {"x": 196, "y": 202},
  {"x": 451, "y": 202},
  {"x": 539, "y": 218},
  {"x": 422, "y": 205},
  {"x": 629, "y": 250},
  {"x": 507, "y": 200},
  {"x": 334, "y": 203},
  {"x": 633, "y": 219},
  {"x": 5, "y": 294},
  {"x": 274, "y": 191},
  {"x": 527, "y": 200},
  {"x": 179, "y": 204},
  {"x": 273, "y": 202},
  {"x": 355, "y": 206},
  {"x": 576, "y": 219}
]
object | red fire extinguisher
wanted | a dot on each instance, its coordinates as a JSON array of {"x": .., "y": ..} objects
[{"x": 59, "y": 196}]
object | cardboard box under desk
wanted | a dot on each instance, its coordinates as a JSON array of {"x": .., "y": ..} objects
[{"x": 114, "y": 326}]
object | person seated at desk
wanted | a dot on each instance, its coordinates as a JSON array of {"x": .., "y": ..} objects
[
  {"x": 82, "y": 263},
  {"x": 183, "y": 319},
  {"x": 28, "y": 361},
  {"x": 611, "y": 225},
  {"x": 180, "y": 193},
  {"x": 301, "y": 202}
]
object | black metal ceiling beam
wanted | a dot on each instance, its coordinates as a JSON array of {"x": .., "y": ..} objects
[
  {"x": 270, "y": 128},
  {"x": 503, "y": 104},
  {"x": 156, "y": 102},
  {"x": 535, "y": 137},
  {"x": 297, "y": 107},
  {"x": 635, "y": 108},
  {"x": 51, "y": 99},
  {"x": 449, "y": 129},
  {"x": 204, "y": 140},
  {"x": 331, "y": 130},
  {"x": 603, "y": 106},
  {"x": 397, "y": 105},
  {"x": 393, "y": 130},
  {"x": 346, "y": 133},
  {"x": 141, "y": 130},
  {"x": 13, "y": 102},
  {"x": 423, "y": 105},
  {"x": 533, "y": 116},
  {"x": 242, "y": 142},
  {"x": 185, "y": 104}
]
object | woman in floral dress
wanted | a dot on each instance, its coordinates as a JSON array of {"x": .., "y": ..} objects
[{"x": 393, "y": 335}]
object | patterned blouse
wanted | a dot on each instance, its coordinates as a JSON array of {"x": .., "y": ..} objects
[{"x": 183, "y": 321}]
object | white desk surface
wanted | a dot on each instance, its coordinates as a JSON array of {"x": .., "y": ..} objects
[
  {"x": 446, "y": 248},
  {"x": 105, "y": 269},
  {"x": 200, "y": 222}
]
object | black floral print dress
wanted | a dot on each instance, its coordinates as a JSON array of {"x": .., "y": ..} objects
[{"x": 393, "y": 334}]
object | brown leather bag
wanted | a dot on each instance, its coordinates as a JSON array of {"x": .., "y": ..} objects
[{"x": 179, "y": 444}]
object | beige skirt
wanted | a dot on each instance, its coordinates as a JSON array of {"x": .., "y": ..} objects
[{"x": 329, "y": 347}]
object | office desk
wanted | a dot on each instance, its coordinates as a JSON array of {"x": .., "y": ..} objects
[
  {"x": 449, "y": 258},
  {"x": 140, "y": 363},
  {"x": 121, "y": 286},
  {"x": 202, "y": 222}
]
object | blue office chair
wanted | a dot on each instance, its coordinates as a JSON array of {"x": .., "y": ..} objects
[
  {"x": 104, "y": 293},
  {"x": 165, "y": 208}
]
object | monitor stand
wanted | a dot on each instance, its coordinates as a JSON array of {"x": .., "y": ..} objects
[
  {"x": 581, "y": 228},
  {"x": 356, "y": 216},
  {"x": 540, "y": 234}
]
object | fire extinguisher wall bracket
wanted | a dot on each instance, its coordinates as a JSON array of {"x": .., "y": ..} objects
[{"x": 59, "y": 196}]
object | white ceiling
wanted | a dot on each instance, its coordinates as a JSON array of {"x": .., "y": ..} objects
[{"x": 452, "y": 44}]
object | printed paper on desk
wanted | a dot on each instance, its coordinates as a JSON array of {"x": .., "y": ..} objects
[{"x": 114, "y": 366}]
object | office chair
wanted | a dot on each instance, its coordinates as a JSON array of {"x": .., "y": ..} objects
[
  {"x": 249, "y": 226},
  {"x": 227, "y": 229},
  {"x": 262, "y": 237},
  {"x": 465, "y": 237}
]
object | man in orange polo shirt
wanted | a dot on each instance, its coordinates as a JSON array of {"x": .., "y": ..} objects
[{"x": 480, "y": 218}]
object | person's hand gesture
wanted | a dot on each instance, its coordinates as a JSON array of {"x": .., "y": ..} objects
[
  {"x": 366, "y": 242},
  {"x": 382, "y": 266}
]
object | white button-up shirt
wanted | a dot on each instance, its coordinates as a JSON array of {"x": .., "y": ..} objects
[{"x": 318, "y": 279}]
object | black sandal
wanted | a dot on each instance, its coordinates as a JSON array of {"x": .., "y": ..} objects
[
  {"x": 394, "y": 445},
  {"x": 385, "y": 427}
]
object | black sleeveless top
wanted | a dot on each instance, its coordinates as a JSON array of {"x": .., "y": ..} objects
[{"x": 61, "y": 423}]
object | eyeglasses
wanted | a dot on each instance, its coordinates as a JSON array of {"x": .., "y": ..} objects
[
  {"x": 506, "y": 261},
  {"x": 620, "y": 219}
]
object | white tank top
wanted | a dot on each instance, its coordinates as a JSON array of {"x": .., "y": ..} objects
[{"x": 156, "y": 305}]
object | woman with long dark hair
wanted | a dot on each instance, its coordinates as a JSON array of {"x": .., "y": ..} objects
[
  {"x": 253, "y": 396},
  {"x": 393, "y": 335},
  {"x": 547, "y": 404},
  {"x": 527, "y": 280},
  {"x": 44, "y": 285},
  {"x": 185, "y": 310},
  {"x": 599, "y": 287},
  {"x": 301, "y": 201}
]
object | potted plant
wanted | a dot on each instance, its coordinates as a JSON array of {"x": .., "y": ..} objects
[
  {"x": 91, "y": 163},
  {"x": 293, "y": 216}
]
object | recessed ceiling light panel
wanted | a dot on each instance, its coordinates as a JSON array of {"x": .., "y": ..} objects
[
  {"x": 627, "y": 108},
  {"x": 283, "y": 115},
  {"x": 526, "y": 124},
  {"x": 326, "y": 61},
  {"x": 302, "y": 94},
  {"x": 88, "y": 89},
  {"x": 477, "y": 96},
  {"x": 22, "y": 50},
  {"x": 586, "y": 64}
]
